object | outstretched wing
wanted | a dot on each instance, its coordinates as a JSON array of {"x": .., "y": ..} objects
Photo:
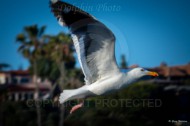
[{"x": 93, "y": 41}]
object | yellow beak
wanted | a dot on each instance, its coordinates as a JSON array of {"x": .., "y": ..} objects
[{"x": 154, "y": 74}]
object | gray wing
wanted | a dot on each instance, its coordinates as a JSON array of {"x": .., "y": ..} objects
[{"x": 93, "y": 41}]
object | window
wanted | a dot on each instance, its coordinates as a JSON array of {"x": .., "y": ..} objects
[
  {"x": 14, "y": 80},
  {"x": 24, "y": 80}
]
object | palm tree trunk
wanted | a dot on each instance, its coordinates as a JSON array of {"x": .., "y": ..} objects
[
  {"x": 62, "y": 111},
  {"x": 61, "y": 83},
  {"x": 38, "y": 109}
]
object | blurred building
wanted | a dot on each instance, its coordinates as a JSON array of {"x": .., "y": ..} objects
[
  {"x": 19, "y": 85},
  {"x": 172, "y": 74}
]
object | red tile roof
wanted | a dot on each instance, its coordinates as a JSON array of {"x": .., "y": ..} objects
[
  {"x": 180, "y": 71},
  {"x": 19, "y": 72}
]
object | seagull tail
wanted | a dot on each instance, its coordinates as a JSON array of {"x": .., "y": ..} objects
[
  {"x": 73, "y": 94},
  {"x": 65, "y": 95}
]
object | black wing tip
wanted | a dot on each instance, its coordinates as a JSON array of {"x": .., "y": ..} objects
[{"x": 68, "y": 14}]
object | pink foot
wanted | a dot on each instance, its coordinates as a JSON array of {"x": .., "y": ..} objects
[{"x": 74, "y": 108}]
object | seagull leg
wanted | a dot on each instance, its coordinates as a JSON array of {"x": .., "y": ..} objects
[{"x": 74, "y": 108}]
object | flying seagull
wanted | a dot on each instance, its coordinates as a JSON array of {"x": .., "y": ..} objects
[{"x": 95, "y": 48}]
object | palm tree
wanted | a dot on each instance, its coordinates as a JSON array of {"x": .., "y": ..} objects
[
  {"x": 60, "y": 50},
  {"x": 56, "y": 63},
  {"x": 30, "y": 47},
  {"x": 57, "y": 60}
]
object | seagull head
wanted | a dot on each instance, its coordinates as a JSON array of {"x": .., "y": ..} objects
[{"x": 141, "y": 72}]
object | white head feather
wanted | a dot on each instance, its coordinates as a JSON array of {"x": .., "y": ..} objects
[{"x": 138, "y": 72}]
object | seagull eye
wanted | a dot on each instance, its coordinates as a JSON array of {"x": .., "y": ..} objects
[{"x": 142, "y": 69}]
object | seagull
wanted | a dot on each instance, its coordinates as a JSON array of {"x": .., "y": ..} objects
[{"x": 95, "y": 47}]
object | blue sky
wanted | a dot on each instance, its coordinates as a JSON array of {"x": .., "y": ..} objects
[{"x": 147, "y": 31}]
